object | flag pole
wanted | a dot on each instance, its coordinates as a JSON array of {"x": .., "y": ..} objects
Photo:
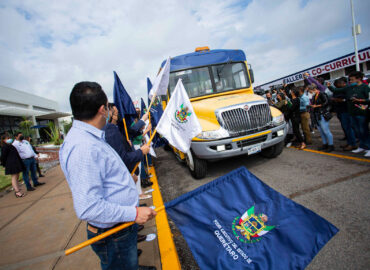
[
  {"x": 152, "y": 101},
  {"x": 124, "y": 124},
  {"x": 150, "y": 131},
  {"x": 104, "y": 235},
  {"x": 148, "y": 143}
]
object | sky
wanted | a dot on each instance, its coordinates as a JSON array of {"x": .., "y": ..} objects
[{"x": 47, "y": 46}]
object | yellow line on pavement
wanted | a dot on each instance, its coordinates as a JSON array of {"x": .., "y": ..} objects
[
  {"x": 335, "y": 155},
  {"x": 167, "y": 249}
]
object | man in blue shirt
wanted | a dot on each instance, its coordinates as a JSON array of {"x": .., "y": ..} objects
[
  {"x": 305, "y": 115},
  {"x": 103, "y": 191}
]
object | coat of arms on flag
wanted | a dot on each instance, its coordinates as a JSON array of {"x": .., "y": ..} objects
[
  {"x": 250, "y": 227},
  {"x": 182, "y": 114},
  {"x": 274, "y": 233}
]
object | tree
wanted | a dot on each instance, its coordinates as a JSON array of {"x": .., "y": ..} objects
[{"x": 25, "y": 127}]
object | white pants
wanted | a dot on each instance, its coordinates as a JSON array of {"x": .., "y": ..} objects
[{"x": 138, "y": 183}]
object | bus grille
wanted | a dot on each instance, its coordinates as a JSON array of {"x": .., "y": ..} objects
[{"x": 238, "y": 121}]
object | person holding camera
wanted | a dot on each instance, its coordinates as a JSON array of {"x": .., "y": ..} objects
[{"x": 322, "y": 116}]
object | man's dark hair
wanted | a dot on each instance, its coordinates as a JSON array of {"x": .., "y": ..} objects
[
  {"x": 356, "y": 74},
  {"x": 281, "y": 95},
  {"x": 295, "y": 90},
  {"x": 17, "y": 134},
  {"x": 340, "y": 80},
  {"x": 111, "y": 105},
  {"x": 86, "y": 98}
]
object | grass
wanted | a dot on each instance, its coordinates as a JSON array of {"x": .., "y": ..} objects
[{"x": 5, "y": 180}]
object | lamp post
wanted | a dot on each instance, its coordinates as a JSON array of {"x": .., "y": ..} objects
[{"x": 354, "y": 33}]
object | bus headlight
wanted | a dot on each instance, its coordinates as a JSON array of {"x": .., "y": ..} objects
[
  {"x": 278, "y": 120},
  {"x": 214, "y": 134}
]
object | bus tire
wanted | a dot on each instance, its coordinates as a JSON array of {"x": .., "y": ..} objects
[
  {"x": 197, "y": 166},
  {"x": 273, "y": 151}
]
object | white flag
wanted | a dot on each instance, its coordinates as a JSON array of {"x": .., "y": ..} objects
[
  {"x": 179, "y": 124},
  {"x": 151, "y": 150},
  {"x": 160, "y": 84}
]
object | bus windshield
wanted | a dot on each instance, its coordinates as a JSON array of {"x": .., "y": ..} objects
[{"x": 211, "y": 79}]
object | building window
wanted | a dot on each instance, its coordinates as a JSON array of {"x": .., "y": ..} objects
[
  {"x": 350, "y": 69},
  {"x": 325, "y": 76},
  {"x": 9, "y": 124},
  {"x": 368, "y": 66}
]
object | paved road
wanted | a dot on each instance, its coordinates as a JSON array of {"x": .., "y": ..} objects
[
  {"x": 335, "y": 188},
  {"x": 44, "y": 222}
]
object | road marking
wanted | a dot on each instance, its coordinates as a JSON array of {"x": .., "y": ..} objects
[
  {"x": 335, "y": 181},
  {"x": 169, "y": 258},
  {"x": 334, "y": 155}
]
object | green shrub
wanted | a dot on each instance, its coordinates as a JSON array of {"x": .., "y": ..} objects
[{"x": 54, "y": 134}]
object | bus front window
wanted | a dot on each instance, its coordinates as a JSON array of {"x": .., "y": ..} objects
[
  {"x": 197, "y": 82},
  {"x": 230, "y": 77}
]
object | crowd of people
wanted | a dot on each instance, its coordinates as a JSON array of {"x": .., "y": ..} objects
[
  {"x": 312, "y": 106},
  {"x": 18, "y": 156},
  {"x": 101, "y": 151}
]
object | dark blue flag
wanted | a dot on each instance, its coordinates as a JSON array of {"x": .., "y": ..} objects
[
  {"x": 156, "y": 112},
  {"x": 143, "y": 108},
  {"x": 123, "y": 101},
  {"x": 238, "y": 222}
]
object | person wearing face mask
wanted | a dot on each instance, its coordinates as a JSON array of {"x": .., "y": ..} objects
[
  {"x": 28, "y": 157},
  {"x": 357, "y": 99},
  {"x": 103, "y": 191},
  {"x": 12, "y": 163},
  {"x": 321, "y": 117}
]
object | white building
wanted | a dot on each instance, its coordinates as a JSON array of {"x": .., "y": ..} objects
[
  {"x": 15, "y": 104},
  {"x": 330, "y": 70}
]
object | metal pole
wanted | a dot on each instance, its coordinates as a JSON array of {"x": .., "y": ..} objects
[{"x": 355, "y": 36}]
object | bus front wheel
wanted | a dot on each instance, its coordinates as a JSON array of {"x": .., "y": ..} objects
[{"x": 197, "y": 166}]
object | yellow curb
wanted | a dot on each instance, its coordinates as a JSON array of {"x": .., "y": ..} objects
[
  {"x": 167, "y": 249},
  {"x": 333, "y": 155}
]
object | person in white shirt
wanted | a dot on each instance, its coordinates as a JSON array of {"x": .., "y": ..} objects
[{"x": 28, "y": 156}]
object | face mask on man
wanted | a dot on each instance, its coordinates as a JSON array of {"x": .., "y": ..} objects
[
  {"x": 108, "y": 117},
  {"x": 21, "y": 138},
  {"x": 9, "y": 141},
  {"x": 354, "y": 84}
]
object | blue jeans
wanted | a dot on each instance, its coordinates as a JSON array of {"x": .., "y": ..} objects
[
  {"x": 346, "y": 123},
  {"x": 150, "y": 159},
  {"x": 326, "y": 136},
  {"x": 143, "y": 173},
  {"x": 362, "y": 130},
  {"x": 30, "y": 164},
  {"x": 117, "y": 251}
]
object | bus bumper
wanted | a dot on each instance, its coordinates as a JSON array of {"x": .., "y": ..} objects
[{"x": 250, "y": 144}]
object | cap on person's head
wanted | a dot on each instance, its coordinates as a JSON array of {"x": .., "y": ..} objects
[{"x": 86, "y": 98}]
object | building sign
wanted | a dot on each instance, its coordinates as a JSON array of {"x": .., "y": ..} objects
[{"x": 339, "y": 63}]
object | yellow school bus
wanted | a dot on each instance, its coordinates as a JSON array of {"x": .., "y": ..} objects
[{"x": 234, "y": 120}]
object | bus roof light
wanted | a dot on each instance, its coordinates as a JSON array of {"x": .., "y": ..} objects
[{"x": 202, "y": 49}]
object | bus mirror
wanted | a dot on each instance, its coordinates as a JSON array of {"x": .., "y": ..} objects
[{"x": 251, "y": 75}]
